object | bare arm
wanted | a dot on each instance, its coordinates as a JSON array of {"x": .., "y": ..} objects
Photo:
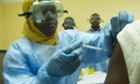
[{"x": 117, "y": 72}]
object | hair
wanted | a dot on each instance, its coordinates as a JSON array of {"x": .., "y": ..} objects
[{"x": 95, "y": 14}]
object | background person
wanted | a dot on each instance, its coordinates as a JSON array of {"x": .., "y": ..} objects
[
  {"x": 69, "y": 23},
  {"x": 95, "y": 20}
]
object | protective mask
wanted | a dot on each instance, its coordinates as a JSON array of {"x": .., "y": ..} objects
[
  {"x": 95, "y": 18},
  {"x": 43, "y": 9},
  {"x": 69, "y": 23}
]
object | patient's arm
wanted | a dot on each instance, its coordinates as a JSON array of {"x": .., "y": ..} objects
[{"x": 117, "y": 72}]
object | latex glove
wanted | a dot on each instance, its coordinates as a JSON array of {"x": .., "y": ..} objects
[
  {"x": 116, "y": 24},
  {"x": 65, "y": 61}
]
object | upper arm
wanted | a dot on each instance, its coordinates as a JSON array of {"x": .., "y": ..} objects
[{"x": 117, "y": 72}]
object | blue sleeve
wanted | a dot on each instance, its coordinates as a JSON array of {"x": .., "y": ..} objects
[
  {"x": 96, "y": 40},
  {"x": 18, "y": 70},
  {"x": 93, "y": 39}
]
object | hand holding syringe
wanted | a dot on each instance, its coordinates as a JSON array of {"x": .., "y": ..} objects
[{"x": 94, "y": 48}]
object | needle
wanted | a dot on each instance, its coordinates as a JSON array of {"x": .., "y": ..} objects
[{"x": 93, "y": 47}]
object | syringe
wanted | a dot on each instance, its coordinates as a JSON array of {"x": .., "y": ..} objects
[{"x": 94, "y": 48}]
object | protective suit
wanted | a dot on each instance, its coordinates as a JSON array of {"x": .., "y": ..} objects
[
  {"x": 95, "y": 20},
  {"x": 102, "y": 65},
  {"x": 26, "y": 61}
]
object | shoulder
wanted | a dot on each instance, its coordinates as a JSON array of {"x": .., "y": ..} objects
[
  {"x": 68, "y": 32},
  {"x": 130, "y": 30},
  {"x": 21, "y": 44},
  {"x": 89, "y": 30},
  {"x": 129, "y": 38},
  {"x": 22, "y": 40}
]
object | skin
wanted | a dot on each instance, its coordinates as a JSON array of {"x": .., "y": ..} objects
[
  {"x": 49, "y": 25},
  {"x": 117, "y": 73},
  {"x": 95, "y": 25}
]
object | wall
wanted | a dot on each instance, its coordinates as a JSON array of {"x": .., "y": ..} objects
[
  {"x": 13, "y": 23},
  {"x": 79, "y": 10},
  {"x": 2, "y": 40}
]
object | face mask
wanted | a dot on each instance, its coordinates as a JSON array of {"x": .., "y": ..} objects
[
  {"x": 69, "y": 23},
  {"x": 40, "y": 11},
  {"x": 95, "y": 18}
]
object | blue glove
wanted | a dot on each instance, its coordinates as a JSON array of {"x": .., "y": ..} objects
[
  {"x": 115, "y": 25},
  {"x": 65, "y": 61},
  {"x": 118, "y": 23}
]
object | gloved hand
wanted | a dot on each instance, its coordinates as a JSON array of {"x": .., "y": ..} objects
[
  {"x": 115, "y": 25},
  {"x": 65, "y": 61},
  {"x": 118, "y": 23}
]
